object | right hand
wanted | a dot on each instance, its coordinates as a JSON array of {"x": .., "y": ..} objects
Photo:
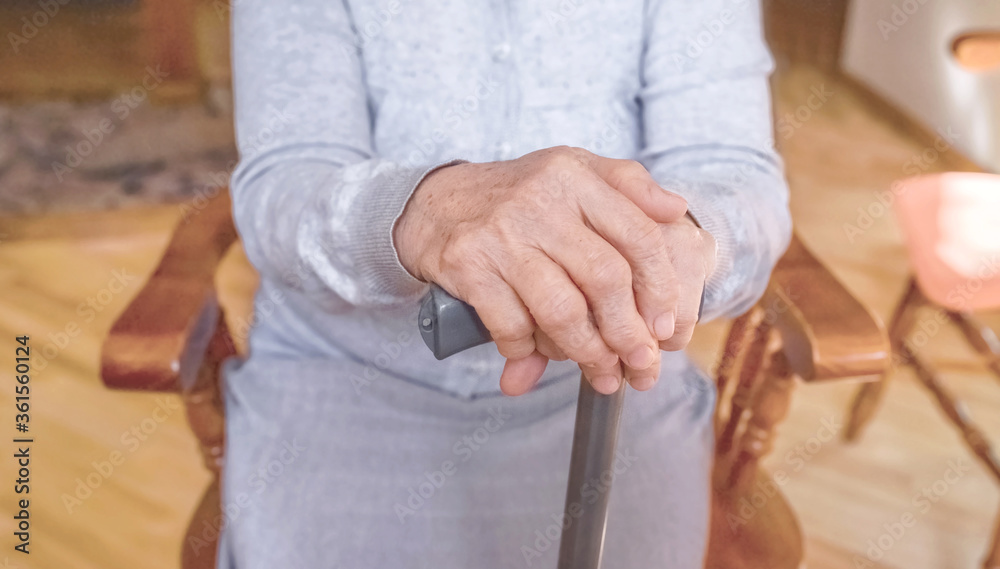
[{"x": 561, "y": 255}]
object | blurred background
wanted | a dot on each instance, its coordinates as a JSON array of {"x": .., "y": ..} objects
[
  {"x": 115, "y": 115},
  {"x": 157, "y": 73}
]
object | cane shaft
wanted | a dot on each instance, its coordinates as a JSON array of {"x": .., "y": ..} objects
[{"x": 590, "y": 470}]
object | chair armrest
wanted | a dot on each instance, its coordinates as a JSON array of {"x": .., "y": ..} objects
[
  {"x": 826, "y": 333},
  {"x": 160, "y": 340}
]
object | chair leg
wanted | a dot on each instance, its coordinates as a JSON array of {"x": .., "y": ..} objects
[
  {"x": 742, "y": 399},
  {"x": 752, "y": 524},
  {"x": 869, "y": 395},
  {"x": 201, "y": 540},
  {"x": 771, "y": 404},
  {"x": 206, "y": 416},
  {"x": 957, "y": 413},
  {"x": 982, "y": 339},
  {"x": 729, "y": 362}
]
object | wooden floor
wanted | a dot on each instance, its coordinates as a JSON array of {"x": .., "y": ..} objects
[{"x": 846, "y": 495}]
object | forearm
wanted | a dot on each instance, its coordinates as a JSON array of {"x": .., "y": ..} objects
[
  {"x": 313, "y": 200},
  {"x": 325, "y": 228}
]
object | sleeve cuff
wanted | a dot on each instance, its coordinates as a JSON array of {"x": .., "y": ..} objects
[
  {"x": 388, "y": 281},
  {"x": 714, "y": 221}
]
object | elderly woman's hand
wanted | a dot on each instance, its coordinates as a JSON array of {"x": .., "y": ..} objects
[{"x": 563, "y": 254}]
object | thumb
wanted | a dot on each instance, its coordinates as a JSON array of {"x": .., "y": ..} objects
[{"x": 519, "y": 376}]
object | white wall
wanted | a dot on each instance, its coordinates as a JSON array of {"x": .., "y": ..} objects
[{"x": 901, "y": 49}]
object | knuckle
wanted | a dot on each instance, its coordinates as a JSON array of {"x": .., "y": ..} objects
[
  {"x": 512, "y": 330},
  {"x": 549, "y": 349},
  {"x": 646, "y": 238},
  {"x": 625, "y": 340},
  {"x": 562, "y": 309},
  {"x": 581, "y": 342},
  {"x": 561, "y": 159},
  {"x": 516, "y": 350},
  {"x": 599, "y": 359},
  {"x": 663, "y": 285},
  {"x": 608, "y": 273},
  {"x": 633, "y": 169},
  {"x": 457, "y": 251},
  {"x": 629, "y": 171},
  {"x": 680, "y": 339},
  {"x": 620, "y": 332},
  {"x": 470, "y": 252}
]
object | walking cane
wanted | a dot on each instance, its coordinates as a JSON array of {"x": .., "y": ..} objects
[{"x": 449, "y": 326}]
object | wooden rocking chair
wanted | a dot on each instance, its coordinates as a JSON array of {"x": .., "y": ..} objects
[{"x": 173, "y": 337}]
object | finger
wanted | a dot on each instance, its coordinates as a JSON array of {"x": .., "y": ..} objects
[
  {"x": 640, "y": 241},
  {"x": 603, "y": 384},
  {"x": 643, "y": 379},
  {"x": 633, "y": 181},
  {"x": 506, "y": 317},
  {"x": 693, "y": 252},
  {"x": 605, "y": 278},
  {"x": 687, "y": 316},
  {"x": 560, "y": 310},
  {"x": 521, "y": 375},
  {"x": 548, "y": 348}
]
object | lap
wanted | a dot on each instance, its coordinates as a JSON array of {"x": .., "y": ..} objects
[{"x": 323, "y": 473}]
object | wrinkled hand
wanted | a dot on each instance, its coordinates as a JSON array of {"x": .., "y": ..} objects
[
  {"x": 563, "y": 254},
  {"x": 691, "y": 251}
]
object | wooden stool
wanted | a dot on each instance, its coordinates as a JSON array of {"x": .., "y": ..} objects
[{"x": 952, "y": 226}]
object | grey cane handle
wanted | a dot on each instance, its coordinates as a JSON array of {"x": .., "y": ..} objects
[{"x": 448, "y": 325}]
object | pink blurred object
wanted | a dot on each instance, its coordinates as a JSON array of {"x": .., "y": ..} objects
[{"x": 951, "y": 222}]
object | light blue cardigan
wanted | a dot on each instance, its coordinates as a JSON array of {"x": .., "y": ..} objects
[{"x": 342, "y": 107}]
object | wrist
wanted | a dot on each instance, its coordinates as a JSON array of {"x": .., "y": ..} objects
[{"x": 415, "y": 226}]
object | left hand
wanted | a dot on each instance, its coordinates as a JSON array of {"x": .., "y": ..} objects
[{"x": 692, "y": 253}]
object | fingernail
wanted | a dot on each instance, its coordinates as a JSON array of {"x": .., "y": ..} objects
[
  {"x": 663, "y": 326},
  {"x": 606, "y": 384},
  {"x": 641, "y": 358}
]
